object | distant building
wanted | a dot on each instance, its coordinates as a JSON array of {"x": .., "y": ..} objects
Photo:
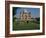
[{"x": 25, "y": 15}]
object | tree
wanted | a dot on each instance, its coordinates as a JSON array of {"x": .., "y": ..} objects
[{"x": 38, "y": 19}]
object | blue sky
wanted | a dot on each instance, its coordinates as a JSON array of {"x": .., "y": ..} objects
[{"x": 35, "y": 12}]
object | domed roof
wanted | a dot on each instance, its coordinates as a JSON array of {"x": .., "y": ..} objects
[{"x": 25, "y": 11}]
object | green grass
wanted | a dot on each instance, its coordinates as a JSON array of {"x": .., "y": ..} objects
[{"x": 26, "y": 26}]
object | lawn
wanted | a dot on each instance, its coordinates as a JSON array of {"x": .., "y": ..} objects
[{"x": 26, "y": 26}]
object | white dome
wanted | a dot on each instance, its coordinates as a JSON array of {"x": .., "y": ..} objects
[{"x": 25, "y": 10}]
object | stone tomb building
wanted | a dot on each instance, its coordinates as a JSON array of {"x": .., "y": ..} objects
[{"x": 25, "y": 15}]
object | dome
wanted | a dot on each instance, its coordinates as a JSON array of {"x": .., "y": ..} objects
[{"x": 25, "y": 10}]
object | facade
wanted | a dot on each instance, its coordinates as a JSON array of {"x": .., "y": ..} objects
[{"x": 25, "y": 15}]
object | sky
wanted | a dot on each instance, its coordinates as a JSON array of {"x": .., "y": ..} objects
[{"x": 35, "y": 12}]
